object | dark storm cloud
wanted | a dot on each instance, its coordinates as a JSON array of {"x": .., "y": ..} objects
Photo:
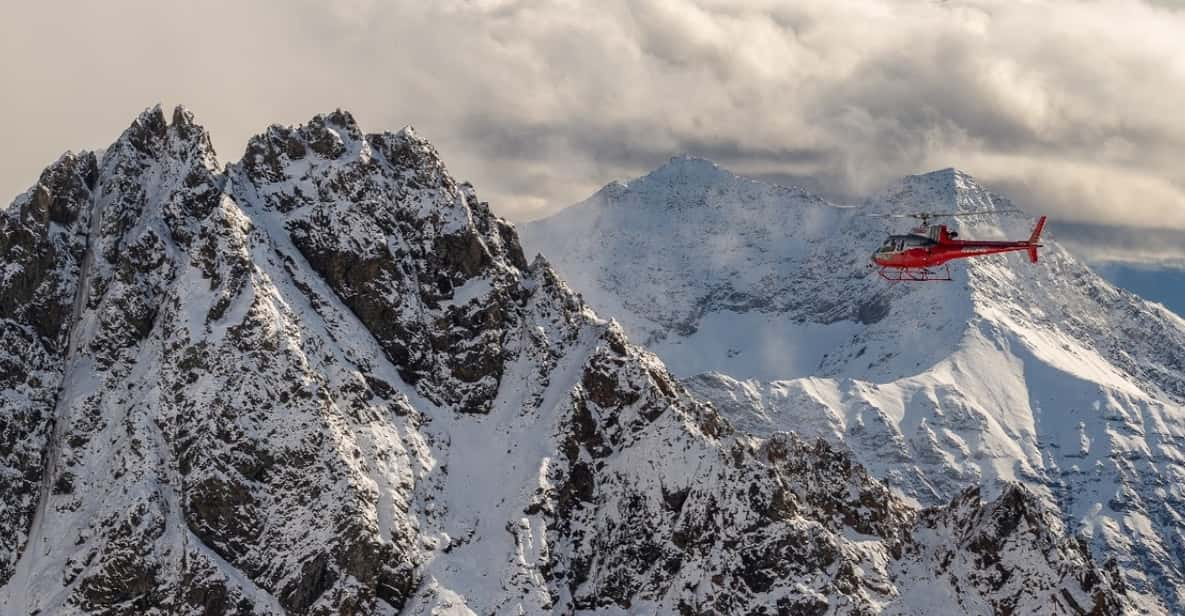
[{"x": 1073, "y": 108}]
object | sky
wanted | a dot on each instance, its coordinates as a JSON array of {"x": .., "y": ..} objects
[{"x": 1073, "y": 109}]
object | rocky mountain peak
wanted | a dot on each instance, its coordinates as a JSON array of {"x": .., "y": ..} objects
[
  {"x": 949, "y": 178},
  {"x": 151, "y": 123},
  {"x": 415, "y": 254},
  {"x": 947, "y": 175},
  {"x": 684, "y": 180},
  {"x": 943, "y": 190},
  {"x": 62, "y": 186},
  {"x": 152, "y": 135},
  {"x": 687, "y": 167},
  {"x": 323, "y": 380}
]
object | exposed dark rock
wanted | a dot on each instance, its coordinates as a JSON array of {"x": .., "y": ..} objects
[{"x": 267, "y": 411}]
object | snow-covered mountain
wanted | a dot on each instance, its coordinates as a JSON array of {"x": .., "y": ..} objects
[
  {"x": 760, "y": 297},
  {"x": 324, "y": 380}
]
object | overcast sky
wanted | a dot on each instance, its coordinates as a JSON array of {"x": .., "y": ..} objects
[{"x": 1073, "y": 108}]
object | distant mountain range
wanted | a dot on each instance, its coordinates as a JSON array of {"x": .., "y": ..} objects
[{"x": 758, "y": 296}]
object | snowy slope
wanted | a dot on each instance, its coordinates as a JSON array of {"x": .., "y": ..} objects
[
  {"x": 693, "y": 261},
  {"x": 324, "y": 380},
  {"x": 1043, "y": 374}
]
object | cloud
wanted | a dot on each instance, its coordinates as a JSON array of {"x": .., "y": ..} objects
[
  {"x": 1107, "y": 245},
  {"x": 1073, "y": 108}
]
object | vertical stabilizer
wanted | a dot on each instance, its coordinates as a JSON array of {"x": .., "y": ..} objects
[{"x": 1033, "y": 245}]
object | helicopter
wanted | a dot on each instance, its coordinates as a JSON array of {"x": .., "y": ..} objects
[{"x": 918, "y": 255}]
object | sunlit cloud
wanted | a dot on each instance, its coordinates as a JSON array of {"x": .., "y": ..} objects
[{"x": 1073, "y": 108}]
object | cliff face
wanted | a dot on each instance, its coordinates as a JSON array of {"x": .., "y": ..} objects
[
  {"x": 42, "y": 244},
  {"x": 324, "y": 380}
]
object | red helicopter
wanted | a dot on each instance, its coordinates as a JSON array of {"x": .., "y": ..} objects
[{"x": 916, "y": 257}]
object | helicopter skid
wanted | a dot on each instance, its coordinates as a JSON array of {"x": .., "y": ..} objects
[{"x": 915, "y": 274}]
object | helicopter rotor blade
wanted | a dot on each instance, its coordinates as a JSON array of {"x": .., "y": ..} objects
[
  {"x": 929, "y": 215},
  {"x": 977, "y": 213}
]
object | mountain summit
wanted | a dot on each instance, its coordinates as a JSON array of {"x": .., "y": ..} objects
[
  {"x": 324, "y": 380},
  {"x": 1042, "y": 374}
]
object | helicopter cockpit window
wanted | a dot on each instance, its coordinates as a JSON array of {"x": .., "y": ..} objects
[{"x": 887, "y": 246}]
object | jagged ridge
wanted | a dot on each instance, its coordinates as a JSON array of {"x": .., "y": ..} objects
[{"x": 324, "y": 380}]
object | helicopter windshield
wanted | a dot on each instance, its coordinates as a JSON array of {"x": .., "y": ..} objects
[{"x": 898, "y": 243}]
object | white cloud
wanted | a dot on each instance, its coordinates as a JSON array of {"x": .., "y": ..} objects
[{"x": 1072, "y": 107}]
